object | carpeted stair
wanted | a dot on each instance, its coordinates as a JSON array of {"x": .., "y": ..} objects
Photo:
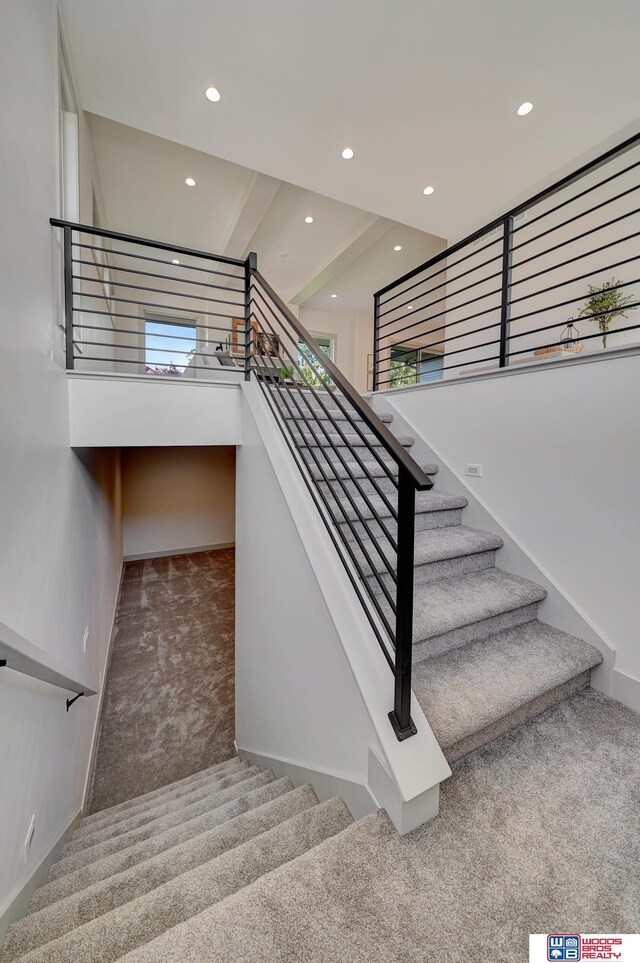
[
  {"x": 205, "y": 838},
  {"x": 483, "y": 662}
]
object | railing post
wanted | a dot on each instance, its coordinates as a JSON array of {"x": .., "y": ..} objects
[
  {"x": 401, "y": 721},
  {"x": 68, "y": 296},
  {"x": 505, "y": 305},
  {"x": 376, "y": 333},
  {"x": 251, "y": 264}
]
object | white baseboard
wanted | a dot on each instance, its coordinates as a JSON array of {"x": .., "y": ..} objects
[
  {"x": 18, "y": 903},
  {"x": 356, "y": 795},
  {"x": 177, "y": 551},
  {"x": 96, "y": 724},
  {"x": 625, "y": 689}
]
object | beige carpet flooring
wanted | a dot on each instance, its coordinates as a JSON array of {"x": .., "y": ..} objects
[{"x": 168, "y": 708}]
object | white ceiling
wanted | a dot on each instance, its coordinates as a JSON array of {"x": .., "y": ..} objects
[
  {"x": 424, "y": 91},
  {"x": 232, "y": 210}
]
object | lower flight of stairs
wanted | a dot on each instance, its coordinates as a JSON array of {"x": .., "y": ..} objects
[
  {"x": 483, "y": 662},
  {"x": 132, "y": 872}
]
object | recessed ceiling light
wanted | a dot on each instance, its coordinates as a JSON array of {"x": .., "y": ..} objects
[
  {"x": 212, "y": 94},
  {"x": 525, "y": 109},
  {"x": 347, "y": 153},
  {"x": 190, "y": 182},
  {"x": 398, "y": 247},
  {"x": 175, "y": 261},
  {"x": 428, "y": 190},
  {"x": 282, "y": 254},
  {"x": 409, "y": 307},
  {"x": 334, "y": 295},
  {"x": 308, "y": 219}
]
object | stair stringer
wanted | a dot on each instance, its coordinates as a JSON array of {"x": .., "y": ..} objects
[
  {"x": 313, "y": 689},
  {"x": 557, "y": 608}
]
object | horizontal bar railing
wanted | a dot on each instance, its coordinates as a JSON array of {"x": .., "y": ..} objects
[
  {"x": 362, "y": 480},
  {"x": 142, "y": 306},
  {"x": 20, "y": 655},
  {"x": 541, "y": 278}
]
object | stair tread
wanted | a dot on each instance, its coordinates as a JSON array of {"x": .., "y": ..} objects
[
  {"x": 113, "y": 863},
  {"x": 146, "y": 917},
  {"x": 90, "y": 837},
  {"x": 371, "y": 470},
  {"x": 350, "y": 439},
  {"x": 467, "y": 689},
  {"x": 175, "y": 818},
  {"x": 251, "y": 913},
  {"x": 438, "y": 544},
  {"x": 429, "y": 501},
  {"x": 108, "y": 895},
  {"x": 450, "y": 603},
  {"x": 332, "y": 414},
  {"x": 177, "y": 790}
]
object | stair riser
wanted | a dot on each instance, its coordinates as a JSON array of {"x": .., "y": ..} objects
[
  {"x": 117, "y": 812},
  {"x": 425, "y": 521},
  {"x": 85, "y": 840},
  {"x": 514, "y": 719},
  {"x": 447, "y": 568},
  {"x": 111, "y": 821},
  {"x": 117, "y": 843},
  {"x": 73, "y": 881},
  {"x": 473, "y": 633}
]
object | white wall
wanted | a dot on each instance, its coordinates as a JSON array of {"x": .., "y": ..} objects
[
  {"x": 560, "y": 447},
  {"x": 177, "y": 499},
  {"x": 353, "y": 334},
  {"x": 59, "y": 528},
  {"x": 313, "y": 689},
  {"x": 130, "y": 411}
]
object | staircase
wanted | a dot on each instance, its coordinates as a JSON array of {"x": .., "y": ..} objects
[
  {"x": 482, "y": 661},
  {"x": 132, "y": 872}
]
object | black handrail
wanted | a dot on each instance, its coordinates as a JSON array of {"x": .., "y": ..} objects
[
  {"x": 144, "y": 241},
  {"x": 404, "y": 313}
]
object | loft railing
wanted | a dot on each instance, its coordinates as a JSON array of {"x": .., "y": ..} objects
[
  {"x": 553, "y": 277},
  {"x": 151, "y": 308},
  {"x": 371, "y": 527},
  {"x": 132, "y": 305}
]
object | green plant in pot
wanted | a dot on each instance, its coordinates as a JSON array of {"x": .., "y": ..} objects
[{"x": 605, "y": 303}]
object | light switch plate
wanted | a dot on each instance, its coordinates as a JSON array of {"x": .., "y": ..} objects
[{"x": 474, "y": 470}]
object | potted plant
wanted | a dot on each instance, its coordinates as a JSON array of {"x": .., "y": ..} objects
[{"x": 605, "y": 303}]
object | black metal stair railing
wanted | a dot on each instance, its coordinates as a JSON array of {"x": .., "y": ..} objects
[
  {"x": 147, "y": 307},
  {"x": 557, "y": 271},
  {"x": 134, "y": 305},
  {"x": 345, "y": 469}
]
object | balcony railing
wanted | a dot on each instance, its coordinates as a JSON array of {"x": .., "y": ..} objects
[
  {"x": 554, "y": 277},
  {"x": 137, "y": 306}
]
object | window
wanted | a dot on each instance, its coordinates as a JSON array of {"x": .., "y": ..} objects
[
  {"x": 309, "y": 365},
  {"x": 169, "y": 345},
  {"x": 411, "y": 366},
  {"x": 69, "y": 159}
]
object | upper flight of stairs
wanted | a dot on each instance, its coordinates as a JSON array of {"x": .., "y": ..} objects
[
  {"x": 483, "y": 662},
  {"x": 132, "y": 872}
]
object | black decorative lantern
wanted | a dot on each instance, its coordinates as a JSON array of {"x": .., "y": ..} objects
[{"x": 569, "y": 336}]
